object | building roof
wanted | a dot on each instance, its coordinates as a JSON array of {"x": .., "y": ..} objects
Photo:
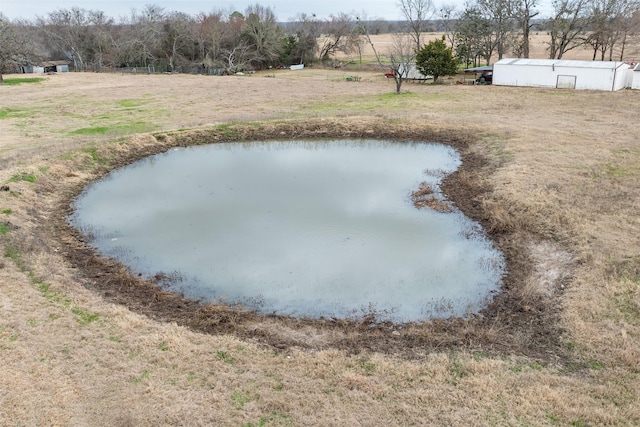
[
  {"x": 609, "y": 65},
  {"x": 476, "y": 69},
  {"x": 52, "y": 63}
]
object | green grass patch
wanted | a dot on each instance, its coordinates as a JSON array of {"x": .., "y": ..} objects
[
  {"x": 616, "y": 171},
  {"x": 11, "y": 113},
  {"x": 131, "y": 103},
  {"x": 520, "y": 367},
  {"x": 224, "y": 356},
  {"x": 45, "y": 290},
  {"x": 98, "y": 130},
  {"x": 69, "y": 155},
  {"x": 11, "y": 252},
  {"x": 6, "y": 211},
  {"x": 135, "y": 127},
  {"x": 536, "y": 366},
  {"x": 241, "y": 398},
  {"x": 144, "y": 376},
  {"x": 84, "y": 317},
  {"x": 554, "y": 419},
  {"x": 227, "y": 130},
  {"x": 367, "y": 367},
  {"x": 23, "y": 176},
  {"x": 15, "y": 255},
  {"x": 21, "y": 80},
  {"x": 123, "y": 129},
  {"x": 4, "y": 229},
  {"x": 393, "y": 96},
  {"x": 457, "y": 372},
  {"x": 95, "y": 156}
]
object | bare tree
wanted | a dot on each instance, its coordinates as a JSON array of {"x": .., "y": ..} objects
[
  {"x": 476, "y": 38},
  {"x": 500, "y": 13},
  {"x": 626, "y": 22},
  {"x": 235, "y": 26},
  {"x": 237, "y": 58},
  {"x": 177, "y": 38},
  {"x": 339, "y": 35},
  {"x": 72, "y": 32},
  {"x": 611, "y": 23},
  {"x": 306, "y": 30},
  {"x": 417, "y": 14},
  {"x": 449, "y": 15},
  {"x": 16, "y": 44},
  {"x": 525, "y": 13},
  {"x": 102, "y": 43},
  {"x": 629, "y": 28},
  {"x": 400, "y": 56},
  {"x": 365, "y": 27},
  {"x": 209, "y": 36},
  {"x": 568, "y": 25},
  {"x": 140, "y": 40},
  {"x": 262, "y": 33}
]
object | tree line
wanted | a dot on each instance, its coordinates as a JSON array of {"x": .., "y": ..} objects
[
  {"x": 488, "y": 28},
  {"x": 228, "y": 42}
]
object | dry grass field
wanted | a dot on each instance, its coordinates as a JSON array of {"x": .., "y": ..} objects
[
  {"x": 539, "y": 42},
  {"x": 553, "y": 175}
]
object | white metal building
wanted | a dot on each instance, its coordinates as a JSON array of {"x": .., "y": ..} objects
[
  {"x": 635, "y": 79},
  {"x": 411, "y": 72},
  {"x": 46, "y": 67},
  {"x": 561, "y": 73}
]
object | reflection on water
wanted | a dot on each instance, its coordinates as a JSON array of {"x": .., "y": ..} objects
[{"x": 302, "y": 228}]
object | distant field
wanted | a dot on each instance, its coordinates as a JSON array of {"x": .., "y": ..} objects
[{"x": 539, "y": 42}]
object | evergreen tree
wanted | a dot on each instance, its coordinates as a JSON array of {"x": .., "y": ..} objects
[{"x": 436, "y": 59}]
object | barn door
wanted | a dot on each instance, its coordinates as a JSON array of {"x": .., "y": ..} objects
[{"x": 566, "y": 82}]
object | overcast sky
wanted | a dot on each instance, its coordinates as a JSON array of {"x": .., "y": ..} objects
[{"x": 284, "y": 9}]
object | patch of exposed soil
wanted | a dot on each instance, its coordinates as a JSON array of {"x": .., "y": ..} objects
[
  {"x": 514, "y": 322},
  {"x": 425, "y": 197}
]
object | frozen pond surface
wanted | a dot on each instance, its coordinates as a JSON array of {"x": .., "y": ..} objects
[{"x": 300, "y": 228}]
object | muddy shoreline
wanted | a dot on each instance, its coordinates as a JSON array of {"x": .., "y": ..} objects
[{"x": 510, "y": 324}]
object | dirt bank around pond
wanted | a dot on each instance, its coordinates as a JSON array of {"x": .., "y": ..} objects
[{"x": 511, "y": 323}]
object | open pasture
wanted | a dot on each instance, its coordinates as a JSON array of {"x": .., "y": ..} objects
[{"x": 552, "y": 175}]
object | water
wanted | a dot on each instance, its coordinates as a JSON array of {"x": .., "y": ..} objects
[{"x": 299, "y": 228}]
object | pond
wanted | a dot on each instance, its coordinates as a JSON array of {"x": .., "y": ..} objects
[{"x": 308, "y": 228}]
